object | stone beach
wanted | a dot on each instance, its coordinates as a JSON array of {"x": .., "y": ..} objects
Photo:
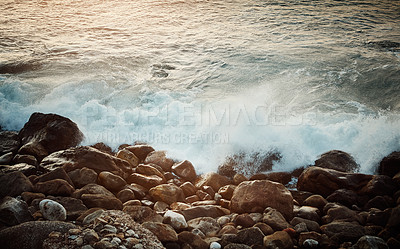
[{"x": 57, "y": 194}]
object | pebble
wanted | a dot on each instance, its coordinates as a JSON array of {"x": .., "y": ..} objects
[
  {"x": 116, "y": 241},
  {"x": 109, "y": 229},
  {"x": 139, "y": 246},
  {"x": 131, "y": 242},
  {"x": 52, "y": 210},
  {"x": 87, "y": 247},
  {"x": 215, "y": 245},
  {"x": 310, "y": 243},
  {"x": 90, "y": 236}
]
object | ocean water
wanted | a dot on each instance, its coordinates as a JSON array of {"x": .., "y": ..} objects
[{"x": 208, "y": 79}]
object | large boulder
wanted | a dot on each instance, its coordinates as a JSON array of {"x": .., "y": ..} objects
[
  {"x": 212, "y": 179},
  {"x": 255, "y": 196},
  {"x": 168, "y": 193},
  {"x": 44, "y": 134},
  {"x": 390, "y": 165},
  {"x": 14, "y": 183},
  {"x": 322, "y": 181},
  {"x": 84, "y": 156},
  {"x": 337, "y": 160},
  {"x": 9, "y": 142}
]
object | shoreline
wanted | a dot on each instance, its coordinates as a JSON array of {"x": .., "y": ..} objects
[{"x": 166, "y": 204}]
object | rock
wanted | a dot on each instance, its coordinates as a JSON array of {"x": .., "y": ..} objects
[
  {"x": 82, "y": 177},
  {"x": 103, "y": 148},
  {"x": 31, "y": 234},
  {"x": 310, "y": 224},
  {"x": 341, "y": 213},
  {"x": 325, "y": 181},
  {"x": 315, "y": 201},
  {"x": 126, "y": 195},
  {"x": 255, "y": 196},
  {"x": 149, "y": 170},
  {"x": 337, "y": 160},
  {"x": 209, "y": 226},
  {"x": 129, "y": 157},
  {"x": 90, "y": 236},
  {"x": 13, "y": 211},
  {"x": 394, "y": 220},
  {"x": 203, "y": 211},
  {"x": 159, "y": 158},
  {"x": 176, "y": 220},
  {"x": 275, "y": 219},
  {"x": 188, "y": 189},
  {"x": 185, "y": 170},
  {"x": 310, "y": 243},
  {"x": 9, "y": 142},
  {"x": 370, "y": 242},
  {"x": 140, "y": 191},
  {"x": 281, "y": 177},
  {"x": 215, "y": 245},
  {"x": 322, "y": 239},
  {"x": 307, "y": 212},
  {"x": 28, "y": 197},
  {"x": 203, "y": 195},
  {"x": 390, "y": 165},
  {"x": 379, "y": 202},
  {"x": 379, "y": 185},
  {"x": 146, "y": 181},
  {"x": 237, "y": 246},
  {"x": 228, "y": 229},
  {"x": 58, "y": 173},
  {"x": 102, "y": 201},
  {"x": 244, "y": 220},
  {"x": 52, "y": 210},
  {"x": 92, "y": 189},
  {"x": 23, "y": 168},
  {"x": 54, "y": 187},
  {"x": 142, "y": 214},
  {"x": 164, "y": 232},
  {"x": 239, "y": 178},
  {"x": 378, "y": 217},
  {"x": 111, "y": 181},
  {"x": 85, "y": 156},
  {"x": 213, "y": 180},
  {"x": 92, "y": 216},
  {"x": 250, "y": 236},
  {"x": 14, "y": 183},
  {"x": 346, "y": 197},
  {"x": 193, "y": 240},
  {"x": 343, "y": 231},
  {"x": 6, "y": 158},
  {"x": 227, "y": 191},
  {"x": 168, "y": 193},
  {"x": 280, "y": 239},
  {"x": 49, "y": 133},
  {"x": 300, "y": 196},
  {"x": 28, "y": 159},
  {"x": 141, "y": 151},
  {"x": 73, "y": 206}
]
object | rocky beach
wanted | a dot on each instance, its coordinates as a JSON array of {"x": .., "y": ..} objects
[{"x": 57, "y": 194}]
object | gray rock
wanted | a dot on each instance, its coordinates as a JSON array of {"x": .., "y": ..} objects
[
  {"x": 52, "y": 210},
  {"x": 14, "y": 183},
  {"x": 14, "y": 211},
  {"x": 370, "y": 242}
]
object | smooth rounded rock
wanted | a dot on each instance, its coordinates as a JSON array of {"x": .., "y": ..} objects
[{"x": 52, "y": 210}]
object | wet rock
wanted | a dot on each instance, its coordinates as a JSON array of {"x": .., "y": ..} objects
[
  {"x": 57, "y": 187},
  {"x": 213, "y": 180},
  {"x": 203, "y": 211},
  {"x": 9, "y": 142},
  {"x": 129, "y": 157},
  {"x": 146, "y": 181},
  {"x": 52, "y": 210},
  {"x": 255, "y": 196},
  {"x": 209, "y": 226},
  {"x": 14, "y": 183},
  {"x": 23, "y": 168},
  {"x": 370, "y": 242},
  {"x": 142, "y": 214},
  {"x": 126, "y": 195},
  {"x": 275, "y": 219},
  {"x": 315, "y": 201},
  {"x": 149, "y": 170},
  {"x": 185, "y": 170},
  {"x": 28, "y": 159},
  {"x": 227, "y": 191},
  {"x": 310, "y": 224},
  {"x": 44, "y": 134},
  {"x": 164, "y": 232},
  {"x": 281, "y": 177},
  {"x": 6, "y": 158},
  {"x": 379, "y": 185},
  {"x": 343, "y": 231},
  {"x": 280, "y": 239},
  {"x": 92, "y": 189},
  {"x": 188, "y": 189},
  {"x": 141, "y": 151},
  {"x": 14, "y": 211},
  {"x": 159, "y": 158},
  {"x": 337, "y": 160},
  {"x": 111, "y": 181},
  {"x": 252, "y": 236},
  {"x": 168, "y": 193},
  {"x": 193, "y": 240},
  {"x": 176, "y": 220},
  {"x": 102, "y": 201},
  {"x": 390, "y": 165},
  {"x": 30, "y": 235},
  {"x": 58, "y": 173},
  {"x": 82, "y": 177}
]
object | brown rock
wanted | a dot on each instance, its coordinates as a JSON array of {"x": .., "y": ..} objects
[
  {"x": 92, "y": 189},
  {"x": 212, "y": 179},
  {"x": 266, "y": 229},
  {"x": 103, "y": 148},
  {"x": 14, "y": 183},
  {"x": 307, "y": 212},
  {"x": 281, "y": 177},
  {"x": 28, "y": 197},
  {"x": 180, "y": 206},
  {"x": 13, "y": 211},
  {"x": 280, "y": 239},
  {"x": 163, "y": 232},
  {"x": 203, "y": 195},
  {"x": 311, "y": 225},
  {"x": 50, "y": 133},
  {"x": 82, "y": 177},
  {"x": 58, "y": 173},
  {"x": 275, "y": 219},
  {"x": 168, "y": 193},
  {"x": 146, "y": 181},
  {"x": 26, "y": 169},
  {"x": 132, "y": 203},
  {"x": 159, "y": 158},
  {"x": 379, "y": 185},
  {"x": 55, "y": 187},
  {"x": 346, "y": 197},
  {"x": 141, "y": 151},
  {"x": 73, "y": 206},
  {"x": 390, "y": 165},
  {"x": 160, "y": 206},
  {"x": 228, "y": 229},
  {"x": 342, "y": 213},
  {"x": 142, "y": 214},
  {"x": 255, "y": 196},
  {"x": 185, "y": 170},
  {"x": 323, "y": 240},
  {"x": 252, "y": 236},
  {"x": 209, "y": 226},
  {"x": 126, "y": 195},
  {"x": 192, "y": 199},
  {"x": 193, "y": 240},
  {"x": 29, "y": 159},
  {"x": 149, "y": 170},
  {"x": 139, "y": 190},
  {"x": 343, "y": 231},
  {"x": 87, "y": 213},
  {"x": 129, "y": 157},
  {"x": 188, "y": 189},
  {"x": 204, "y": 211},
  {"x": 244, "y": 220},
  {"x": 315, "y": 201},
  {"x": 101, "y": 201},
  {"x": 111, "y": 181},
  {"x": 337, "y": 160},
  {"x": 227, "y": 191},
  {"x": 9, "y": 142},
  {"x": 239, "y": 178}
]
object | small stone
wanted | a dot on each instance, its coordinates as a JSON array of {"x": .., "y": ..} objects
[
  {"x": 160, "y": 206},
  {"x": 129, "y": 157},
  {"x": 176, "y": 220},
  {"x": 310, "y": 243},
  {"x": 111, "y": 181},
  {"x": 223, "y": 220},
  {"x": 79, "y": 241},
  {"x": 109, "y": 229},
  {"x": 87, "y": 247},
  {"x": 90, "y": 236},
  {"x": 116, "y": 241},
  {"x": 131, "y": 242},
  {"x": 74, "y": 231},
  {"x": 215, "y": 245},
  {"x": 52, "y": 210}
]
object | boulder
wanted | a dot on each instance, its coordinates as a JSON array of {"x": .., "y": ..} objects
[
  {"x": 213, "y": 180},
  {"x": 31, "y": 234},
  {"x": 101, "y": 201},
  {"x": 307, "y": 212},
  {"x": 159, "y": 158},
  {"x": 315, "y": 201},
  {"x": 129, "y": 157},
  {"x": 148, "y": 170},
  {"x": 164, "y": 232},
  {"x": 111, "y": 181},
  {"x": 9, "y": 142},
  {"x": 346, "y": 197},
  {"x": 390, "y": 165},
  {"x": 176, "y": 220},
  {"x": 85, "y": 156},
  {"x": 324, "y": 182},
  {"x": 337, "y": 160},
  {"x": 29, "y": 159},
  {"x": 14, "y": 211},
  {"x": 146, "y": 181},
  {"x": 244, "y": 220},
  {"x": 340, "y": 231},
  {"x": 6, "y": 158},
  {"x": 279, "y": 239},
  {"x": 142, "y": 214},
  {"x": 394, "y": 219},
  {"x": 203, "y": 211},
  {"x": 188, "y": 189},
  {"x": 28, "y": 197},
  {"x": 379, "y": 185},
  {"x": 58, "y": 173},
  {"x": 23, "y": 168},
  {"x": 239, "y": 178},
  {"x": 52, "y": 210},
  {"x": 168, "y": 193},
  {"x": 185, "y": 170},
  {"x": 73, "y": 206},
  {"x": 310, "y": 224},
  {"x": 281, "y": 177},
  {"x": 139, "y": 190},
  {"x": 55, "y": 187},
  {"x": 227, "y": 191},
  {"x": 275, "y": 219},
  {"x": 209, "y": 226},
  {"x": 141, "y": 151},
  {"x": 103, "y": 148},
  {"x": 44, "y": 134},
  {"x": 255, "y": 196},
  {"x": 370, "y": 242},
  {"x": 126, "y": 195},
  {"x": 252, "y": 236},
  {"x": 14, "y": 183},
  {"x": 193, "y": 240},
  {"x": 82, "y": 177},
  {"x": 92, "y": 189}
]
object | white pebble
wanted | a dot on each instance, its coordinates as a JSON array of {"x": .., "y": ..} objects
[
  {"x": 52, "y": 210},
  {"x": 215, "y": 245}
]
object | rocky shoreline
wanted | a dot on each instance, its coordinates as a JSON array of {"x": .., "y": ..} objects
[{"x": 57, "y": 194}]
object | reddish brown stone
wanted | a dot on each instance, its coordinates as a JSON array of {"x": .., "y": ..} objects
[{"x": 185, "y": 170}]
